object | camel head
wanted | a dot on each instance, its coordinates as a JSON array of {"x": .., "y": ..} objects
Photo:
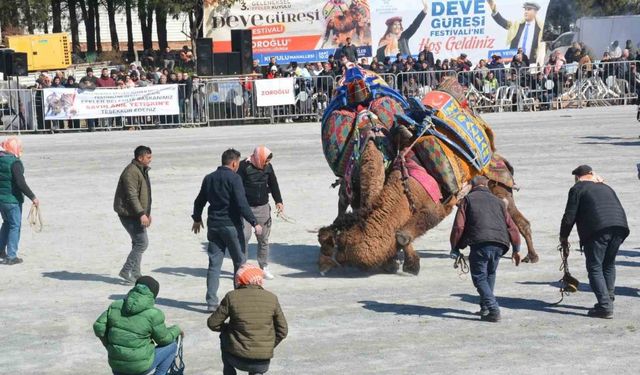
[{"x": 329, "y": 254}]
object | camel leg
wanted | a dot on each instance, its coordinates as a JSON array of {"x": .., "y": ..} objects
[
  {"x": 411, "y": 260},
  {"x": 518, "y": 218}
]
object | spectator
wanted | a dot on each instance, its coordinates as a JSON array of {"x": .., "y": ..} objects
[
  {"x": 364, "y": 63},
  {"x": 427, "y": 55},
  {"x": 573, "y": 54},
  {"x": 105, "y": 79},
  {"x": 134, "y": 333},
  {"x": 350, "y": 51},
  {"x": 168, "y": 58},
  {"x": 411, "y": 88},
  {"x": 71, "y": 83},
  {"x": 256, "y": 324},
  {"x": 490, "y": 84},
  {"x": 56, "y": 82},
  {"x": 272, "y": 72},
  {"x": 89, "y": 81},
  {"x": 614, "y": 50},
  {"x": 523, "y": 57},
  {"x": 272, "y": 63},
  {"x": 498, "y": 67},
  {"x": 317, "y": 69}
]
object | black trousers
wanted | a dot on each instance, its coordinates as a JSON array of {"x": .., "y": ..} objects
[{"x": 252, "y": 366}]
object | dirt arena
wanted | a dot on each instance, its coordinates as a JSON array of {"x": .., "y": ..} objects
[{"x": 349, "y": 321}]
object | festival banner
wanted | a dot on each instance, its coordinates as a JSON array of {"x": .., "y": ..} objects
[
  {"x": 71, "y": 104},
  {"x": 291, "y": 30},
  {"x": 478, "y": 28},
  {"x": 277, "y": 91}
]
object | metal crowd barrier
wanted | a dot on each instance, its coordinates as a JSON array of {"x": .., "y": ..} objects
[{"x": 227, "y": 101}]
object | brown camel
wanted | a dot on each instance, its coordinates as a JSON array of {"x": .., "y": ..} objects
[{"x": 371, "y": 236}]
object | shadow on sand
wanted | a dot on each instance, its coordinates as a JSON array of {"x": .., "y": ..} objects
[
  {"x": 79, "y": 276},
  {"x": 404, "y": 309},
  {"x": 515, "y": 303},
  {"x": 184, "y": 305}
]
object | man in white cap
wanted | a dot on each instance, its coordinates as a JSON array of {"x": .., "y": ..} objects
[{"x": 525, "y": 33}]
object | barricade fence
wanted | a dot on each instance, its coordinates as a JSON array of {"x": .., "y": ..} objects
[{"x": 228, "y": 101}]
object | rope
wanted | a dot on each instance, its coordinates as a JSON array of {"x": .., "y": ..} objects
[
  {"x": 280, "y": 215},
  {"x": 461, "y": 263},
  {"x": 566, "y": 287},
  {"x": 35, "y": 219}
]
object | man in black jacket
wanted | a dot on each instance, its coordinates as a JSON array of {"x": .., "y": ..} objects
[
  {"x": 483, "y": 223},
  {"x": 602, "y": 227},
  {"x": 259, "y": 180},
  {"x": 225, "y": 194}
]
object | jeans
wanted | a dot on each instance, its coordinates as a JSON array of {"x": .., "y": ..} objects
[
  {"x": 139, "y": 243},
  {"x": 483, "y": 263},
  {"x": 163, "y": 359},
  {"x": 263, "y": 216},
  {"x": 10, "y": 231},
  {"x": 600, "y": 255},
  {"x": 221, "y": 239},
  {"x": 252, "y": 366}
]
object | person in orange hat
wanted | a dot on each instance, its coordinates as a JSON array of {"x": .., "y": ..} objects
[
  {"x": 13, "y": 188},
  {"x": 256, "y": 324},
  {"x": 396, "y": 38},
  {"x": 259, "y": 180}
]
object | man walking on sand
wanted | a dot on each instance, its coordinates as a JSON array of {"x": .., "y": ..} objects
[
  {"x": 228, "y": 205},
  {"x": 132, "y": 203}
]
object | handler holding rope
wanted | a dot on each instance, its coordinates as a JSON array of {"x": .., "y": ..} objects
[
  {"x": 483, "y": 223},
  {"x": 602, "y": 227},
  {"x": 13, "y": 188}
]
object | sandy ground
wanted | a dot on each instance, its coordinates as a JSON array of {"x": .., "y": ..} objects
[{"x": 349, "y": 321}]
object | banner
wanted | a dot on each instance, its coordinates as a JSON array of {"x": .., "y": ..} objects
[
  {"x": 277, "y": 91},
  {"x": 478, "y": 28},
  {"x": 72, "y": 104},
  {"x": 292, "y": 30}
]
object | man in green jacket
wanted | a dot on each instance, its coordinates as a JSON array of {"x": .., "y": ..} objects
[
  {"x": 256, "y": 324},
  {"x": 132, "y": 203},
  {"x": 130, "y": 327}
]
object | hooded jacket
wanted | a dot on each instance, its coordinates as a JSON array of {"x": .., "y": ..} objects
[{"x": 127, "y": 329}]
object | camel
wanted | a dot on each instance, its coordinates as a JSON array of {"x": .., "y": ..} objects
[
  {"x": 439, "y": 142},
  {"x": 383, "y": 224}
]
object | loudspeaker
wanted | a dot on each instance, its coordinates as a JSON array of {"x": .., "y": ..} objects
[
  {"x": 241, "y": 41},
  {"x": 3, "y": 60},
  {"x": 18, "y": 64},
  {"x": 204, "y": 56},
  {"x": 235, "y": 64},
  {"x": 220, "y": 64}
]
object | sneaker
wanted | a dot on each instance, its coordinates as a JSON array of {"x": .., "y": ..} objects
[
  {"x": 212, "y": 308},
  {"x": 492, "y": 316},
  {"x": 127, "y": 277},
  {"x": 266, "y": 274},
  {"x": 482, "y": 312},
  {"x": 12, "y": 261},
  {"x": 600, "y": 313},
  {"x": 3, "y": 254}
]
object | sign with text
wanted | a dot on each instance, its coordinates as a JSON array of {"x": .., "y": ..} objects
[
  {"x": 477, "y": 28},
  {"x": 277, "y": 91},
  {"x": 71, "y": 104},
  {"x": 292, "y": 30}
]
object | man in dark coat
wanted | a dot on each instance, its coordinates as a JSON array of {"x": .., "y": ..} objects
[
  {"x": 526, "y": 32},
  {"x": 483, "y": 223},
  {"x": 602, "y": 227},
  {"x": 350, "y": 51},
  {"x": 228, "y": 205}
]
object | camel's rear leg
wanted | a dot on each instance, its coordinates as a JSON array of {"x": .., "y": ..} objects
[{"x": 521, "y": 222}]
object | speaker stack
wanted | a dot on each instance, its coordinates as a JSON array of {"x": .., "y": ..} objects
[
  {"x": 242, "y": 42},
  {"x": 204, "y": 56},
  {"x": 13, "y": 63},
  {"x": 240, "y": 61}
]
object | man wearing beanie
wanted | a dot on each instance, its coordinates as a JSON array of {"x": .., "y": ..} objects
[
  {"x": 129, "y": 328},
  {"x": 602, "y": 227},
  {"x": 256, "y": 324}
]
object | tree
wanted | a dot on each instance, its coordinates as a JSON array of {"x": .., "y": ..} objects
[
  {"x": 161, "y": 24},
  {"x": 607, "y": 7},
  {"x": 112, "y": 8},
  {"x": 127, "y": 7},
  {"x": 89, "y": 26},
  {"x": 56, "y": 15},
  {"x": 145, "y": 15},
  {"x": 95, "y": 5}
]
